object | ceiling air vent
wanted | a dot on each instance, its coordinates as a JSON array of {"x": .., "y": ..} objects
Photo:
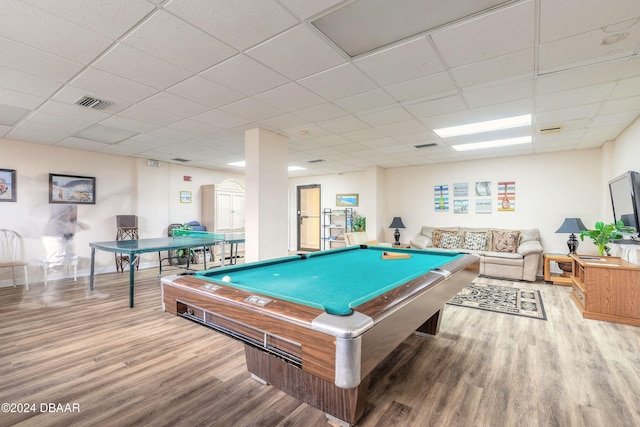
[
  {"x": 550, "y": 129},
  {"x": 178, "y": 159},
  {"x": 91, "y": 102},
  {"x": 316, "y": 161},
  {"x": 431, "y": 144}
]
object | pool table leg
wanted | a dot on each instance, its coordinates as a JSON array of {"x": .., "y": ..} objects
[
  {"x": 342, "y": 406},
  {"x": 432, "y": 325}
]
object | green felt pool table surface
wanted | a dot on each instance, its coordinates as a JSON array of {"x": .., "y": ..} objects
[{"x": 336, "y": 280}]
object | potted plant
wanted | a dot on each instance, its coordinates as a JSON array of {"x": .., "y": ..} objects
[
  {"x": 603, "y": 233},
  {"x": 359, "y": 224},
  {"x": 182, "y": 254}
]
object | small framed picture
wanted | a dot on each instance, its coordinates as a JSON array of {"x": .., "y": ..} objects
[
  {"x": 72, "y": 189},
  {"x": 185, "y": 197},
  {"x": 8, "y": 192},
  {"x": 350, "y": 200}
]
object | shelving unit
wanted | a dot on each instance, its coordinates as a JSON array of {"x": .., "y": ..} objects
[
  {"x": 335, "y": 222},
  {"x": 606, "y": 288}
]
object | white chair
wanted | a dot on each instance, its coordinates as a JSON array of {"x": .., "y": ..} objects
[
  {"x": 70, "y": 261},
  {"x": 58, "y": 253},
  {"x": 9, "y": 241}
]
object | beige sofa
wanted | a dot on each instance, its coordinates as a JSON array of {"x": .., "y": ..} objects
[
  {"x": 505, "y": 254},
  {"x": 361, "y": 238}
]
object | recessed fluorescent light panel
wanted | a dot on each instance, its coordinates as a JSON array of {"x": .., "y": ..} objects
[
  {"x": 492, "y": 144},
  {"x": 365, "y": 25},
  {"x": 488, "y": 126},
  {"x": 243, "y": 164}
]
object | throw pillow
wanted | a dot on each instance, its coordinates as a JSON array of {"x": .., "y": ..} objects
[
  {"x": 475, "y": 241},
  {"x": 504, "y": 241},
  {"x": 437, "y": 235},
  {"x": 449, "y": 240}
]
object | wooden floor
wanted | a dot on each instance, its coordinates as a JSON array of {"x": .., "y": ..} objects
[{"x": 143, "y": 367}]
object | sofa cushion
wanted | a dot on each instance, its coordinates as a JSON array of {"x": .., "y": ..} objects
[
  {"x": 504, "y": 241},
  {"x": 446, "y": 239},
  {"x": 475, "y": 241},
  {"x": 450, "y": 241},
  {"x": 421, "y": 242}
]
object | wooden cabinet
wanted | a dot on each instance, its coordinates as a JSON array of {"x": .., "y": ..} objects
[
  {"x": 223, "y": 207},
  {"x": 606, "y": 288}
]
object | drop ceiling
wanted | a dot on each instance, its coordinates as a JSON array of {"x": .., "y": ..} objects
[{"x": 186, "y": 78}]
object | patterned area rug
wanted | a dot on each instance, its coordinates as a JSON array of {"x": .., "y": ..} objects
[{"x": 502, "y": 299}]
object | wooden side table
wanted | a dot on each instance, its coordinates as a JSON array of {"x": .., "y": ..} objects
[
  {"x": 401, "y": 245},
  {"x": 556, "y": 279}
]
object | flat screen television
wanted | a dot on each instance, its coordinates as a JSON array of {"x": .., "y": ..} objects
[{"x": 625, "y": 200}]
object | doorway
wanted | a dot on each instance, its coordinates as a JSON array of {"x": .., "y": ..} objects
[{"x": 308, "y": 217}]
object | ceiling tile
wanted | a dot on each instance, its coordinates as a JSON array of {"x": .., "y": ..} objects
[
  {"x": 129, "y": 124},
  {"x": 194, "y": 127},
  {"x": 50, "y": 33},
  {"x": 149, "y": 115},
  {"x": 515, "y": 65},
  {"x": 296, "y": 53},
  {"x": 585, "y": 48},
  {"x": 339, "y": 82},
  {"x": 343, "y": 125},
  {"x": 578, "y": 96},
  {"x": 141, "y": 67},
  {"x": 36, "y": 62},
  {"x": 560, "y": 19},
  {"x": 112, "y": 18},
  {"x": 509, "y": 91},
  {"x": 175, "y": 41},
  {"x": 306, "y": 9},
  {"x": 495, "y": 34},
  {"x": 562, "y": 115},
  {"x": 405, "y": 61},
  {"x": 220, "y": 119},
  {"x": 96, "y": 81},
  {"x": 437, "y": 106},
  {"x": 19, "y": 99},
  {"x": 173, "y": 104},
  {"x": 239, "y": 23},
  {"x": 205, "y": 92},
  {"x": 252, "y": 109},
  {"x": 245, "y": 75},
  {"x": 27, "y": 83},
  {"x": 290, "y": 97},
  {"x": 431, "y": 86},
  {"x": 10, "y": 115},
  {"x": 385, "y": 116},
  {"x": 105, "y": 134},
  {"x": 283, "y": 121},
  {"x": 321, "y": 112},
  {"x": 371, "y": 100}
]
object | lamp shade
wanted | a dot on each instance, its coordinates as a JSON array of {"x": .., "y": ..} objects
[
  {"x": 571, "y": 225},
  {"x": 396, "y": 223}
]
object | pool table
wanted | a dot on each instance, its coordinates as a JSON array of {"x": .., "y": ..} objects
[{"x": 316, "y": 325}]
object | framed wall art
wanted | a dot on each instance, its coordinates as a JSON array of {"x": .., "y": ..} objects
[
  {"x": 8, "y": 192},
  {"x": 350, "y": 200},
  {"x": 185, "y": 197},
  {"x": 72, "y": 189}
]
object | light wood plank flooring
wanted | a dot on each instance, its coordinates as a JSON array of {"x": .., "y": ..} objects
[{"x": 143, "y": 367}]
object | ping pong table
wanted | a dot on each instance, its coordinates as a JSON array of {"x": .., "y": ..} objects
[{"x": 181, "y": 239}]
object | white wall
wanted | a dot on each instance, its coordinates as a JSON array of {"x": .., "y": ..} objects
[
  {"x": 549, "y": 187},
  {"x": 123, "y": 186}
]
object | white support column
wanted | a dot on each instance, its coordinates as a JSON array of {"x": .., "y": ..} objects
[{"x": 266, "y": 220}]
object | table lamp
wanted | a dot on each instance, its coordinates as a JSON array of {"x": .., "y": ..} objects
[
  {"x": 572, "y": 225},
  {"x": 397, "y": 223}
]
